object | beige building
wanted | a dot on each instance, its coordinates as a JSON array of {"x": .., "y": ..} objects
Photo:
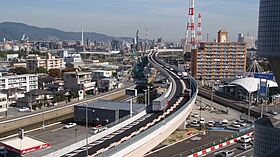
[
  {"x": 79, "y": 81},
  {"x": 219, "y": 60},
  {"x": 49, "y": 62}
]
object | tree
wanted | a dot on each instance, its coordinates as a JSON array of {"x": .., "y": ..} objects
[
  {"x": 69, "y": 70},
  {"x": 55, "y": 72},
  {"x": 21, "y": 70},
  {"x": 41, "y": 70}
]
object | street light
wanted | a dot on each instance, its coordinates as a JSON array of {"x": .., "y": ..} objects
[
  {"x": 145, "y": 98},
  {"x": 211, "y": 96}
]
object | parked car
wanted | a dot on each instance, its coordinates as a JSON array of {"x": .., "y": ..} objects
[
  {"x": 195, "y": 115},
  {"x": 224, "y": 122},
  {"x": 236, "y": 125},
  {"x": 179, "y": 74},
  {"x": 245, "y": 146},
  {"x": 202, "y": 121},
  {"x": 210, "y": 123},
  {"x": 24, "y": 109},
  {"x": 69, "y": 125},
  {"x": 194, "y": 123}
]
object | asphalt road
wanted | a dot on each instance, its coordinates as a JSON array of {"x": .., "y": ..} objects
[
  {"x": 237, "y": 151},
  {"x": 185, "y": 146}
]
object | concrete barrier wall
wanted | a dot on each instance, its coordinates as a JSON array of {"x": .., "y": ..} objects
[
  {"x": 48, "y": 114},
  {"x": 141, "y": 147}
]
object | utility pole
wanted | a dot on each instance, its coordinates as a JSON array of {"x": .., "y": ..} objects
[{"x": 211, "y": 104}]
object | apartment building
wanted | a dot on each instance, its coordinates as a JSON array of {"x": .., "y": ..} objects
[
  {"x": 219, "y": 60},
  {"x": 48, "y": 62},
  {"x": 96, "y": 73},
  {"x": 79, "y": 81},
  {"x": 17, "y": 85}
]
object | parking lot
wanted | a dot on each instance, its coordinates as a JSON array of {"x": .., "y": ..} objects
[{"x": 206, "y": 111}]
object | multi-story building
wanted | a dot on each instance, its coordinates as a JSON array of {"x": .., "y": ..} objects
[
  {"x": 96, "y": 73},
  {"x": 266, "y": 138},
  {"x": 79, "y": 81},
  {"x": 50, "y": 62},
  {"x": 219, "y": 60},
  {"x": 17, "y": 85}
]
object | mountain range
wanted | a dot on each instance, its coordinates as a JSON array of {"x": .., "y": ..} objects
[{"x": 15, "y": 31}]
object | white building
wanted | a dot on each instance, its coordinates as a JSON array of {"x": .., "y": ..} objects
[
  {"x": 50, "y": 62},
  {"x": 107, "y": 84},
  {"x": 101, "y": 73},
  {"x": 17, "y": 85}
]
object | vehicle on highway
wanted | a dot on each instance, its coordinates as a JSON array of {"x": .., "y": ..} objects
[
  {"x": 184, "y": 75},
  {"x": 245, "y": 139},
  {"x": 159, "y": 104},
  {"x": 24, "y": 109},
  {"x": 95, "y": 130},
  {"x": 224, "y": 153},
  {"x": 245, "y": 146},
  {"x": 69, "y": 125},
  {"x": 272, "y": 112},
  {"x": 171, "y": 69},
  {"x": 186, "y": 93},
  {"x": 210, "y": 123}
]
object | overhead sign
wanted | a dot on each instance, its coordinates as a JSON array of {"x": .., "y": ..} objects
[
  {"x": 264, "y": 76},
  {"x": 131, "y": 92},
  {"x": 263, "y": 89}
]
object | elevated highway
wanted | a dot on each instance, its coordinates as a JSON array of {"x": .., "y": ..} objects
[
  {"x": 140, "y": 138},
  {"x": 149, "y": 133}
]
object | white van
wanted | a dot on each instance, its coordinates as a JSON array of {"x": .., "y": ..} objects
[{"x": 245, "y": 139}]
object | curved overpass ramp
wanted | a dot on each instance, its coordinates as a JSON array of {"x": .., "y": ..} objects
[{"x": 148, "y": 137}]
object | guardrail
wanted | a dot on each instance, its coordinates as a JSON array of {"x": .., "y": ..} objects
[{"x": 153, "y": 131}]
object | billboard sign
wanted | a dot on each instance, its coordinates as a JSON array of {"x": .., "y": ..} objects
[
  {"x": 264, "y": 76},
  {"x": 131, "y": 92}
]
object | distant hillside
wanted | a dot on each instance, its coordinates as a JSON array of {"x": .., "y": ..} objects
[{"x": 14, "y": 31}]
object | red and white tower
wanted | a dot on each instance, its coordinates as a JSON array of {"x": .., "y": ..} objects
[
  {"x": 190, "y": 26},
  {"x": 199, "y": 29}
]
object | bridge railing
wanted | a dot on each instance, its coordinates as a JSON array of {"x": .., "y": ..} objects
[{"x": 154, "y": 128}]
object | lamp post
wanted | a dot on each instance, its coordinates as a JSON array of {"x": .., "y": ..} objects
[
  {"x": 211, "y": 103},
  {"x": 145, "y": 98},
  {"x": 249, "y": 106},
  {"x": 87, "y": 129},
  {"x": 148, "y": 96}
]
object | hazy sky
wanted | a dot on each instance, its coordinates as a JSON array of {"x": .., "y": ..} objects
[{"x": 162, "y": 18}]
